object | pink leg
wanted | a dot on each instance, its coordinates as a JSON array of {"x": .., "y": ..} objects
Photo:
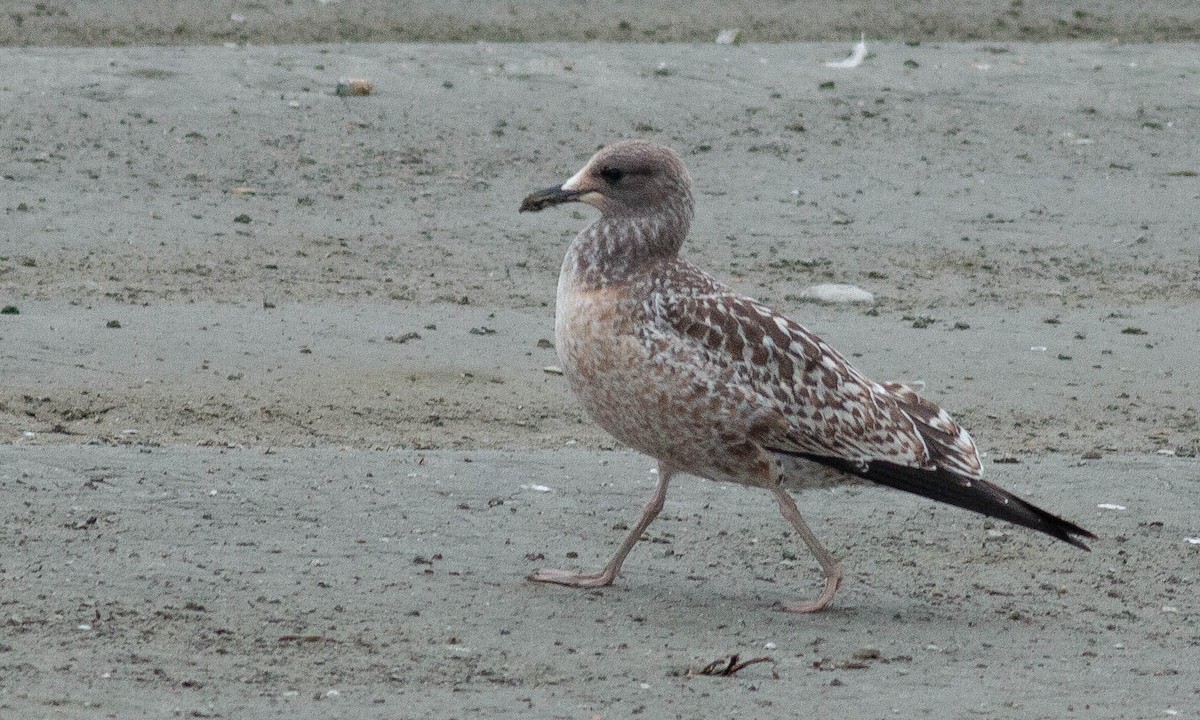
[
  {"x": 831, "y": 568},
  {"x": 606, "y": 576}
]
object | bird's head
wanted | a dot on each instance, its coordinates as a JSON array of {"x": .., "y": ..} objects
[{"x": 630, "y": 178}]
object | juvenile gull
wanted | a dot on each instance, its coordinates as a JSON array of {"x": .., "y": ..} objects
[{"x": 714, "y": 384}]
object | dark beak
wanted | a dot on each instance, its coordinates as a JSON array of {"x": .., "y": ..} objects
[{"x": 542, "y": 199}]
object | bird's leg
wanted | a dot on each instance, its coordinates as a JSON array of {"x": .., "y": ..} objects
[
  {"x": 606, "y": 576},
  {"x": 831, "y": 568}
]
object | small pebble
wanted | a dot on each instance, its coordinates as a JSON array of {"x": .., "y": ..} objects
[{"x": 354, "y": 87}]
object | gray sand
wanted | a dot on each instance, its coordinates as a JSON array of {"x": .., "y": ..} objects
[
  {"x": 260, "y": 240},
  {"x": 268, "y": 250},
  {"x": 263, "y": 22},
  {"x": 317, "y": 583}
]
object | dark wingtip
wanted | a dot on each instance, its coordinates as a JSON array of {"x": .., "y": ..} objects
[
  {"x": 1071, "y": 530},
  {"x": 970, "y": 494},
  {"x": 1032, "y": 516},
  {"x": 1064, "y": 530},
  {"x": 1080, "y": 544}
]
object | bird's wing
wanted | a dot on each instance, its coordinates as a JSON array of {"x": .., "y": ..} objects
[
  {"x": 803, "y": 399},
  {"x": 828, "y": 408}
]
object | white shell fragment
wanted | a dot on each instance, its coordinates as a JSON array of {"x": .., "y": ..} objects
[
  {"x": 856, "y": 58},
  {"x": 837, "y": 293},
  {"x": 1110, "y": 506},
  {"x": 536, "y": 488},
  {"x": 729, "y": 37}
]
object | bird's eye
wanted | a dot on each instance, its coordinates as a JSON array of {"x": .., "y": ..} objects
[{"x": 612, "y": 174}]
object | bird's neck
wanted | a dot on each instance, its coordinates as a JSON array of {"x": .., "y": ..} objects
[{"x": 615, "y": 248}]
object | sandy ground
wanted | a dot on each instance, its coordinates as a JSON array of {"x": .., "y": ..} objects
[
  {"x": 200, "y": 582},
  {"x": 269, "y": 250},
  {"x": 328, "y": 278},
  {"x": 261, "y": 22}
]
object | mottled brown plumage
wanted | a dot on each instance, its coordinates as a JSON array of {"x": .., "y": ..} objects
[{"x": 711, "y": 383}]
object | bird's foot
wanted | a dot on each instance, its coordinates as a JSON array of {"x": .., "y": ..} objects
[
  {"x": 574, "y": 579},
  {"x": 832, "y": 583}
]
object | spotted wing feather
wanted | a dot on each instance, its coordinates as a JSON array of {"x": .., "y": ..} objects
[
  {"x": 829, "y": 412},
  {"x": 828, "y": 407}
]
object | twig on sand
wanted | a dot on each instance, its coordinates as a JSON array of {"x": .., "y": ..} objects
[{"x": 731, "y": 666}]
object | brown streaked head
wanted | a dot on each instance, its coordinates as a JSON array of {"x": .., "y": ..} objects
[{"x": 632, "y": 177}]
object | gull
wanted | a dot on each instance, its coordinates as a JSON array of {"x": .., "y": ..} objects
[{"x": 714, "y": 384}]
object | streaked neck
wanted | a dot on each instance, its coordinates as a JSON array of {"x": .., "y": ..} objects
[{"x": 616, "y": 247}]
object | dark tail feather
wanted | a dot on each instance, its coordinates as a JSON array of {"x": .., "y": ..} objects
[{"x": 976, "y": 495}]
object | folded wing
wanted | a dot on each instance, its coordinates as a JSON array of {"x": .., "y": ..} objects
[{"x": 805, "y": 400}]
